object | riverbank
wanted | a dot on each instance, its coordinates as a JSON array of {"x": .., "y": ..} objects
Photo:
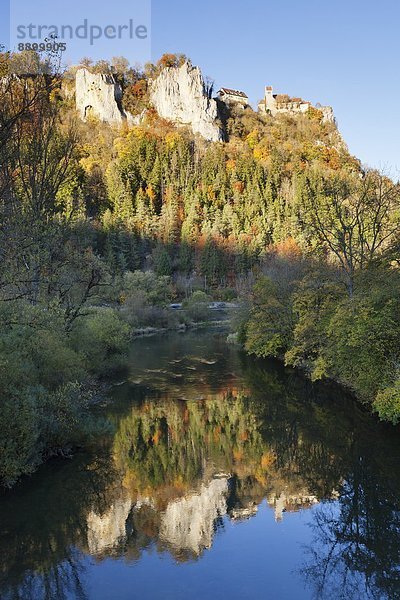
[
  {"x": 301, "y": 312},
  {"x": 181, "y": 328},
  {"x": 51, "y": 416}
]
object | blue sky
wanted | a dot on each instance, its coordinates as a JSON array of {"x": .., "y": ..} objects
[{"x": 342, "y": 53}]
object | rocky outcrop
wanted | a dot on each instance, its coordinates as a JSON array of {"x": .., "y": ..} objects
[
  {"x": 328, "y": 114},
  {"x": 179, "y": 95},
  {"x": 244, "y": 512},
  {"x": 100, "y": 95}
]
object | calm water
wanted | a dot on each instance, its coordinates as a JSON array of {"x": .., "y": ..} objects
[{"x": 221, "y": 478}]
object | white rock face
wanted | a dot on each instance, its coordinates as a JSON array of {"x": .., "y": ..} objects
[
  {"x": 178, "y": 94},
  {"x": 99, "y": 95},
  {"x": 188, "y": 523},
  {"x": 328, "y": 114}
]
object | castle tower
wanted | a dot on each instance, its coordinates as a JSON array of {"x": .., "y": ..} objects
[
  {"x": 269, "y": 91},
  {"x": 270, "y": 102}
]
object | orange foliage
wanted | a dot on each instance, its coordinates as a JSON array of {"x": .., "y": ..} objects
[
  {"x": 288, "y": 248},
  {"x": 238, "y": 454},
  {"x": 139, "y": 88},
  {"x": 239, "y": 186},
  {"x": 332, "y": 157},
  {"x": 171, "y": 60},
  {"x": 267, "y": 460},
  {"x": 156, "y": 437},
  {"x": 217, "y": 433}
]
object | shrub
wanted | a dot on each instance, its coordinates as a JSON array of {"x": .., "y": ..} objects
[
  {"x": 20, "y": 446},
  {"x": 387, "y": 404},
  {"x": 102, "y": 339},
  {"x": 197, "y": 307},
  {"x": 65, "y": 418}
]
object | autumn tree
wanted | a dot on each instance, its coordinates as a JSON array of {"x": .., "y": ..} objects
[
  {"x": 120, "y": 64},
  {"x": 355, "y": 217}
]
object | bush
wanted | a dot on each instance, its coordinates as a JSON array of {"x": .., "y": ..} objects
[
  {"x": 156, "y": 290},
  {"x": 102, "y": 339},
  {"x": 269, "y": 331},
  {"x": 145, "y": 299},
  {"x": 64, "y": 417},
  {"x": 20, "y": 445},
  {"x": 226, "y": 294},
  {"x": 387, "y": 404},
  {"x": 197, "y": 307}
]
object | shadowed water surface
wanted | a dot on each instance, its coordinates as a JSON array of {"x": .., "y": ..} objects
[{"x": 223, "y": 477}]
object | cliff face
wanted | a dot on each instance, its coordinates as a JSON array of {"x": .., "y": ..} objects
[
  {"x": 178, "y": 94},
  {"x": 100, "y": 95},
  {"x": 328, "y": 114}
]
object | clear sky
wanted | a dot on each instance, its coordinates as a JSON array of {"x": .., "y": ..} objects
[
  {"x": 337, "y": 52},
  {"x": 345, "y": 53}
]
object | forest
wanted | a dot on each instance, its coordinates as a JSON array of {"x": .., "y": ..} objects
[{"x": 101, "y": 228}]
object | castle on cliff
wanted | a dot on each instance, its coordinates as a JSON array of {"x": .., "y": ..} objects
[
  {"x": 179, "y": 94},
  {"x": 275, "y": 104}
]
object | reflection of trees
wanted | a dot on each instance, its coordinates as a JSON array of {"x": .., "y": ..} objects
[
  {"x": 318, "y": 432},
  {"x": 165, "y": 447},
  {"x": 41, "y": 525},
  {"x": 277, "y": 436},
  {"x": 59, "y": 581},
  {"x": 335, "y": 445},
  {"x": 356, "y": 544}
]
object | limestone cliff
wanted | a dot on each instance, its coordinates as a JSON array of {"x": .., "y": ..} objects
[
  {"x": 100, "y": 95},
  {"x": 179, "y": 95},
  {"x": 328, "y": 114}
]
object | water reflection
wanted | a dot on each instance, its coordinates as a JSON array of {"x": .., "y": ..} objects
[{"x": 203, "y": 437}]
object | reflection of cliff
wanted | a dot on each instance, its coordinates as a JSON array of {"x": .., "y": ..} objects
[
  {"x": 170, "y": 452},
  {"x": 106, "y": 531},
  {"x": 292, "y": 503},
  {"x": 281, "y": 441},
  {"x": 188, "y": 523}
]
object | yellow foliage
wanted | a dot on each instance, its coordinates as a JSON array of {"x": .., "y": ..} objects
[
  {"x": 268, "y": 459},
  {"x": 230, "y": 164},
  {"x": 253, "y": 138},
  {"x": 88, "y": 163},
  {"x": 150, "y": 192},
  {"x": 315, "y": 114},
  {"x": 261, "y": 152},
  {"x": 238, "y": 454},
  {"x": 172, "y": 139}
]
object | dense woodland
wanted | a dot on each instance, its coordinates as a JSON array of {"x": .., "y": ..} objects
[{"x": 101, "y": 228}]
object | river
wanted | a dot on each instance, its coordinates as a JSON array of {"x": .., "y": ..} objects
[{"x": 218, "y": 476}]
